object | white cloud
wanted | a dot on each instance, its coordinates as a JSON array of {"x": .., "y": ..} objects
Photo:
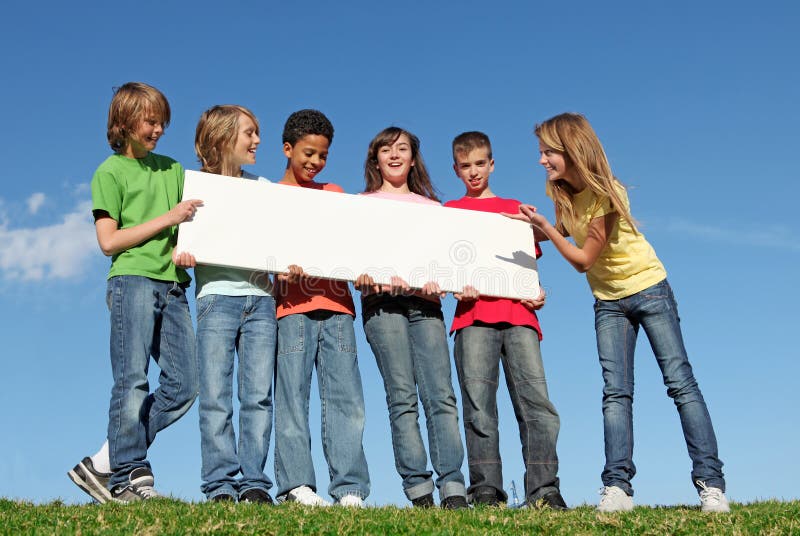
[
  {"x": 59, "y": 251},
  {"x": 765, "y": 236},
  {"x": 35, "y": 202}
]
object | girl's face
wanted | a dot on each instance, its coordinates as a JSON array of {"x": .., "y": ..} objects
[
  {"x": 247, "y": 140},
  {"x": 395, "y": 161},
  {"x": 557, "y": 166}
]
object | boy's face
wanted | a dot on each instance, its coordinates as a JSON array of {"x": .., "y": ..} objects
[
  {"x": 307, "y": 157},
  {"x": 474, "y": 168},
  {"x": 145, "y": 136}
]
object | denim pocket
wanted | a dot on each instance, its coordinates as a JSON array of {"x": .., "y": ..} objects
[
  {"x": 204, "y": 305},
  {"x": 109, "y": 293},
  {"x": 346, "y": 333},
  {"x": 290, "y": 334}
]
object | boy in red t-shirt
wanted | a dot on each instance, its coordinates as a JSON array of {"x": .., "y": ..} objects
[{"x": 490, "y": 330}]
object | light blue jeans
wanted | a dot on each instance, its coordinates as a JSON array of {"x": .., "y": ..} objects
[
  {"x": 407, "y": 336},
  {"x": 245, "y": 325},
  {"x": 479, "y": 349},
  {"x": 326, "y": 340},
  {"x": 617, "y": 325},
  {"x": 148, "y": 318}
]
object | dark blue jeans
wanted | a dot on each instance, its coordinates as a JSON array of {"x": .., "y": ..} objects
[
  {"x": 617, "y": 325},
  {"x": 148, "y": 318},
  {"x": 479, "y": 349}
]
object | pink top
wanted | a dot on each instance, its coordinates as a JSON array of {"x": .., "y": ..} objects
[{"x": 493, "y": 310}]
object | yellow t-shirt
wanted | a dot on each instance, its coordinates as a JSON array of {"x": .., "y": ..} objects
[{"x": 628, "y": 264}]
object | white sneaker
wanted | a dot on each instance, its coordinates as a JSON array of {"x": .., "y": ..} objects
[
  {"x": 351, "y": 501},
  {"x": 614, "y": 500},
  {"x": 712, "y": 499},
  {"x": 307, "y": 496}
]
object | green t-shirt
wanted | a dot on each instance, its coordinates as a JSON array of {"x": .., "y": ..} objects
[{"x": 133, "y": 191}]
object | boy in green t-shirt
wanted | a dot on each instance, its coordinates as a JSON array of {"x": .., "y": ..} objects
[{"x": 136, "y": 206}]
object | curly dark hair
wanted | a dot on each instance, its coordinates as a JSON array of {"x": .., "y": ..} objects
[{"x": 304, "y": 123}]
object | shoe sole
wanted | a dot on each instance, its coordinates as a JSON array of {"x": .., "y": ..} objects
[{"x": 84, "y": 479}]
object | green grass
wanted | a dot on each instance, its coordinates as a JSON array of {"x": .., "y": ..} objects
[{"x": 164, "y": 516}]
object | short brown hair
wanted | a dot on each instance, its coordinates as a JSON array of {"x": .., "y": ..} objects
[
  {"x": 129, "y": 105},
  {"x": 469, "y": 141}
]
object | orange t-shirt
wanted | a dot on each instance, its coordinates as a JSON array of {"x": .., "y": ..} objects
[{"x": 314, "y": 293}]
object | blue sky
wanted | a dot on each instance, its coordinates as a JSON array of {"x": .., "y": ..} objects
[{"x": 695, "y": 102}]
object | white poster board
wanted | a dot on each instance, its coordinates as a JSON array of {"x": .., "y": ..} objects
[{"x": 265, "y": 226}]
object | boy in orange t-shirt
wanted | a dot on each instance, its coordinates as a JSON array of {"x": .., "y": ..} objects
[
  {"x": 315, "y": 328},
  {"x": 490, "y": 330}
]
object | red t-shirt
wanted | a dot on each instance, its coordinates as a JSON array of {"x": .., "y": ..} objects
[
  {"x": 314, "y": 293},
  {"x": 493, "y": 310}
]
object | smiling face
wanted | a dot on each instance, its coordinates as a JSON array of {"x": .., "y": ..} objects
[
  {"x": 557, "y": 166},
  {"x": 247, "y": 140},
  {"x": 474, "y": 168},
  {"x": 307, "y": 157},
  {"x": 145, "y": 136},
  {"x": 395, "y": 161}
]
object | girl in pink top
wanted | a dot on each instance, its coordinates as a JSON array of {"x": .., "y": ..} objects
[{"x": 406, "y": 332}]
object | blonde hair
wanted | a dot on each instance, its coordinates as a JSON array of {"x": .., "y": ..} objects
[
  {"x": 215, "y": 137},
  {"x": 572, "y": 135},
  {"x": 419, "y": 181},
  {"x": 129, "y": 106}
]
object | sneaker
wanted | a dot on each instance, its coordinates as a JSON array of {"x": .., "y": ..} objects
[
  {"x": 486, "y": 496},
  {"x": 614, "y": 500},
  {"x": 351, "y": 501},
  {"x": 255, "y": 495},
  {"x": 138, "y": 488},
  {"x": 223, "y": 498},
  {"x": 425, "y": 501},
  {"x": 306, "y": 496},
  {"x": 552, "y": 500},
  {"x": 712, "y": 499},
  {"x": 454, "y": 502},
  {"x": 91, "y": 481}
]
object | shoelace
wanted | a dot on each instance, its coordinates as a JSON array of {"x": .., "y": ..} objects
[
  {"x": 147, "y": 492},
  {"x": 709, "y": 495}
]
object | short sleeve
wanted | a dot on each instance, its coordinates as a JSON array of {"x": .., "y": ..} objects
[{"x": 106, "y": 194}]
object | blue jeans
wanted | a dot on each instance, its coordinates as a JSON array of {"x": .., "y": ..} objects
[
  {"x": 617, "y": 325},
  {"x": 407, "y": 336},
  {"x": 246, "y": 325},
  {"x": 478, "y": 351},
  {"x": 148, "y": 318},
  {"x": 326, "y": 340}
]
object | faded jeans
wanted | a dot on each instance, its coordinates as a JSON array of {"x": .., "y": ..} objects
[
  {"x": 407, "y": 336},
  {"x": 148, "y": 318},
  {"x": 227, "y": 326}
]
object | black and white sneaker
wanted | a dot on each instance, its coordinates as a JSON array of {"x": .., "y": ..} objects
[
  {"x": 138, "y": 488},
  {"x": 90, "y": 480}
]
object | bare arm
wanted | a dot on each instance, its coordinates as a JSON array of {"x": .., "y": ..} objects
[
  {"x": 582, "y": 259},
  {"x": 113, "y": 240}
]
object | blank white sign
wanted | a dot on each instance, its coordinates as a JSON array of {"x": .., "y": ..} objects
[{"x": 265, "y": 226}]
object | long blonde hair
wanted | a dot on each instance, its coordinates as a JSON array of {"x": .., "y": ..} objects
[
  {"x": 216, "y": 135},
  {"x": 572, "y": 135}
]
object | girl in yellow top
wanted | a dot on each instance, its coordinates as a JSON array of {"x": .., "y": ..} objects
[{"x": 631, "y": 290}]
